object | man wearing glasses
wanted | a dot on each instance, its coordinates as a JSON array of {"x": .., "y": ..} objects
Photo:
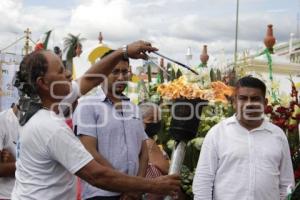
[{"x": 111, "y": 129}]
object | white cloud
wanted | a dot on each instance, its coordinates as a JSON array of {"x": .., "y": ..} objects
[
  {"x": 110, "y": 17},
  {"x": 16, "y": 17},
  {"x": 9, "y": 15},
  {"x": 171, "y": 25}
]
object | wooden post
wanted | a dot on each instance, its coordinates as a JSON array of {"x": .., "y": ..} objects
[{"x": 27, "y": 37}]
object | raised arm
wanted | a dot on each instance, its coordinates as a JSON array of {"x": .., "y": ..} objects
[{"x": 135, "y": 50}]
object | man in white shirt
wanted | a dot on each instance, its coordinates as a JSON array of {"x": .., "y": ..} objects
[
  {"x": 244, "y": 157},
  {"x": 48, "y": 153},
  {"x": 9, "y": 130}
]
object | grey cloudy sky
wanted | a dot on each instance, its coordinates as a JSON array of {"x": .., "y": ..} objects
[{"x": 172, "y": 25}]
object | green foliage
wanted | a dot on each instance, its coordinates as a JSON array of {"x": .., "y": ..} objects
[
  {"x": 232, "y": 77},
  {"x": 178, "y": 73},
  {"x": 149, "y": 74},
  {"x": 48, "y": 33},
  {"x": 211, "y": 115},
  {"x": 70, "y": 43},
  {"x": 173, "y": 74},
  {"x": 201, "y": 65},
  {"x": 187, "y": 180},
  {"x": 219, "y": 77},
  {"x": 169, "y": 68},
  {"x": 161, "y": 74},
  {"x": 296, "y": 193},
  {"x": 212, "y": 75},
  {"x": 164, "y": 136},
  {"x": 153, "y": 94}
]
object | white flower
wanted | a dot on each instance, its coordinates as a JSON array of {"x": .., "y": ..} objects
[{"x": 197, "y": 142}]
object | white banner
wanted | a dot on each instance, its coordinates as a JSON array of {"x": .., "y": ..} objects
[{"x": 8, "y": 93}]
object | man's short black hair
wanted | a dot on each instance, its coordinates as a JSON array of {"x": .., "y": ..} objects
[
  {"x": 251, "y": 82},
  {"x": 110, "y": 51}
]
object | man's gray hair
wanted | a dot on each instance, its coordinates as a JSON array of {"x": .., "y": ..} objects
[{"x": 149, "y": 108}]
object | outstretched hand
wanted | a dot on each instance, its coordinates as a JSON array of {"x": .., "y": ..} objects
[{"x": 139, "y": 49}]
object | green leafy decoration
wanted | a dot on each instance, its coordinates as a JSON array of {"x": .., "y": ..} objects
[
  {"x": 149, "y": 73},
  {"x": 270, "y": 64},
  {"x": 212, "y": 75},
  {"x": 178, "y": 73},
  {"x": 70, "y": 43},
  {"x": 173, "y": 74}
]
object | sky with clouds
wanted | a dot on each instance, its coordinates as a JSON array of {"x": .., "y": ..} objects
[{"x": 173, "y": 26}]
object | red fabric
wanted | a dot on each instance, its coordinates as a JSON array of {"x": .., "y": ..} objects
[
  {"x": 78, "y": 197},
  {"x": 297, "y": 173},
  {"x": 69, "y": 123},
  {"x": 153, "y": 172},
  {"x": 39, "y": 46}
]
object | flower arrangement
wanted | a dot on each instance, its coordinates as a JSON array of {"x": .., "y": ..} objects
[
  {"x": 287, "y": 117},
  {"x": 182, "y": 88}
]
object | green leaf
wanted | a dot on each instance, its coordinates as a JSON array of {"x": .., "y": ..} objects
[
  {"x": 179, "y": 73},
  {"x": 45, "y": 43},
  {"x": 161, "y": 76},
  {"x": 219, "y": 77},
  {"x": 169, "y": 68},
  {"x": 173, "y": 74},
  {"x": 212, "y": 75},
  {"x": 149, "y": 73},
  {"x": 70, "y": 43}
]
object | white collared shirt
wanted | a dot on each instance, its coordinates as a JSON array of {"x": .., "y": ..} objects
[
  {"x": 237, "y": 164},
  {"x": 119, "y": 135}
]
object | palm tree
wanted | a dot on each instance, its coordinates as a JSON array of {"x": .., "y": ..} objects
[{"x": 70, "y": 44}]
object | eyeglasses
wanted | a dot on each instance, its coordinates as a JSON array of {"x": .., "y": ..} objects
[{"x": 117, "y": 72}]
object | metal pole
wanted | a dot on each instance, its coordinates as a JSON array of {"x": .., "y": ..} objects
[
  {"x": 236, "y": 31},
  {"x": 298, "y": 18},
  {"x": 297, "y": 34},
  {"x": 177, "y": 160}
]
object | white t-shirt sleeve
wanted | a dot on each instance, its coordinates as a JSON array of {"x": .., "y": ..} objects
[
  {"x": 2, "y": 139},
  {"x": 65, "y": 148}
]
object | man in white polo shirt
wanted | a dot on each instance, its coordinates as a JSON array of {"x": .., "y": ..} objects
[
  {"x": 9, "y": 127},
  {"x": 244, "y": 157}
]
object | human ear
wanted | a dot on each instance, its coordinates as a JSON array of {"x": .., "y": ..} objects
[
  {"x": 42, "y": 84},
  {"x": 266, "y": 102}
]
